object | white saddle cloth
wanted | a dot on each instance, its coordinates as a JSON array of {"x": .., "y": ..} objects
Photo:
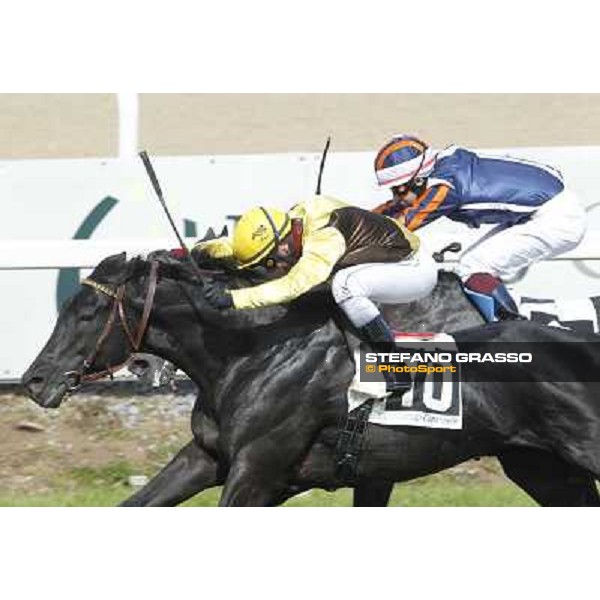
[{"x": 434, "y": 401}]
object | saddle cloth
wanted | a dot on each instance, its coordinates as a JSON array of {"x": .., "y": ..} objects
[
  {"x": 581, "y": 316},
  {"x": 434, "y": 400}
]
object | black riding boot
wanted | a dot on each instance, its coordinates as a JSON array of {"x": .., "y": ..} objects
[{"x": 377, "y": 331}]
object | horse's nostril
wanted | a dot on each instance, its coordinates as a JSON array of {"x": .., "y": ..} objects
[
  {"x": 34, "y": 384},
  {"x": 140, "y": 364},
  {"x": 139, "y": 367}
]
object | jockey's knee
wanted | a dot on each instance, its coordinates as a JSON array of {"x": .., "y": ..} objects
[
  {"x": 352, "y": 298},
  {"x": 345, "y": 286},
  {"x": 469, "y": 266}
]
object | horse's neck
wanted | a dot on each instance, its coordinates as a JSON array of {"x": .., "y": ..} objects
[
  {"x": 205, "y": 346},
  {"x": 211, "y": 345}
]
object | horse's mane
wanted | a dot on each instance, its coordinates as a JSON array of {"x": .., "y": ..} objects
[
  {"x": 316, "y": 306},
  {"x": 117, "y": 269}
]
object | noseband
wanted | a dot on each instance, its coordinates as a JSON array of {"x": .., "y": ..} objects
[{"x": 117, "y": 309}]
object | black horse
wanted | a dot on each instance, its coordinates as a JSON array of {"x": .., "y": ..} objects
[{"x": 273, "y": 384}]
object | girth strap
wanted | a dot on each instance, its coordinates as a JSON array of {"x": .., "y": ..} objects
[{"x": 350, "y": 442}]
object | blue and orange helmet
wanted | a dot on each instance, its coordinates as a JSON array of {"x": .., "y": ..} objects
[{"x": 402, "y": 160}]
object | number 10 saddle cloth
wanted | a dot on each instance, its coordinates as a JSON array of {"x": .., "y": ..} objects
[{"x": 434, "y": 399}]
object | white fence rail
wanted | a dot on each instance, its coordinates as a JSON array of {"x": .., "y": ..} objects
[{"x": 80, "y": 254}]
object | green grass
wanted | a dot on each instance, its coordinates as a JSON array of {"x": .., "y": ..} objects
[
  {"x": 104, "y": 487},
  {"x": 111, "y": 474},
  {"x": 438, "y": 490}
]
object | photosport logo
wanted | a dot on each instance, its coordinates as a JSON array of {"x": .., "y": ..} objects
[
  {"x": 422, "y": 368},
  {"x": 481, "y": 361}
]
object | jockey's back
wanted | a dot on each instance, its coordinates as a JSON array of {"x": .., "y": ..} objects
[{"x": 492, "y": 189}]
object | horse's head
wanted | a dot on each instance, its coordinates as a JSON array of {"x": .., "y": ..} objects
[
  {"x": 89, "y": 339},
  {"x": 116, "y": 313}
]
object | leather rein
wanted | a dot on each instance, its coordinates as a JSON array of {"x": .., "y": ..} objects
[{"x": 117, "y": 310}]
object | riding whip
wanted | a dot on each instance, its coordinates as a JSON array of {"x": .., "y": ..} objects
[
  {"x": 156, "y": 185},
  {"x": 322, "y": 166}
]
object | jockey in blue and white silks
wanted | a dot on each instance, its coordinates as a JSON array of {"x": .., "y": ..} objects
[{"x": 535, "y": 216}]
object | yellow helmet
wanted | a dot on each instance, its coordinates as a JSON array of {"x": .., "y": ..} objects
[{"x": 257, "y": 233}]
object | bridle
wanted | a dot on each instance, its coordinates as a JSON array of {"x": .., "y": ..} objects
[{"x": 117, "y": 310}]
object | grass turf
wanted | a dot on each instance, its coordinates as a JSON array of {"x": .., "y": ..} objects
[{"x": 104, "y": 488}]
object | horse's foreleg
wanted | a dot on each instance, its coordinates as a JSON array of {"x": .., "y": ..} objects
[
  {"x": 548, "y": 479},
  {"x": 373, "y": 493},
  {"x": 241, "y": 491},
  {"x": 258, "y": 476},
  {"x": 192, "y": 470}
]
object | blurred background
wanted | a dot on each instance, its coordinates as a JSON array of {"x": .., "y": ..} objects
[{"x": 87, "y": 125}]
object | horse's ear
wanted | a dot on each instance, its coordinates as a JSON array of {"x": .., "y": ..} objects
[
  {"x": 135, "y": 266},
  {"x": 211, "y": 235},
  {"x": 159, "y": 255},
  {"x": 111, "y": 268}
]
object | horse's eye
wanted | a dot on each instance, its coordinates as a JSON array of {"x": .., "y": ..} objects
[{"x": 87, "y": 315}]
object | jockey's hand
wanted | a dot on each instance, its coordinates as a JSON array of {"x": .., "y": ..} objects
[{"x": 217, "y": 295}]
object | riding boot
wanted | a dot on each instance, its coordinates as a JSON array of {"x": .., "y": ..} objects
[
  {"x": 491, "y": 297},
  {"x": 506, "y": 307},
  {"x": 377, "y": 331}
]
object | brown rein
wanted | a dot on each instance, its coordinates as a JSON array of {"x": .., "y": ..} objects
[{"x": 117, "y": 308}]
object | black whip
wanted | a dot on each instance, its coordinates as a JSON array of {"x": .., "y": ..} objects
[
  {"x": 322, "y": 166},
  {"x": 156, "y": 185}
]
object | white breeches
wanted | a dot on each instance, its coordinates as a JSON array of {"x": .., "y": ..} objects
[
  {"x": 356, "y": 289},
  {"x": 557, "y": 227}
]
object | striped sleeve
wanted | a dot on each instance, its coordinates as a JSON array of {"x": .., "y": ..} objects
[
  {"x": 433, "y": 203},
  {"x": 391, "y": 208}
]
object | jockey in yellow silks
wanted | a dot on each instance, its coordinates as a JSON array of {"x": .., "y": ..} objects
[{"x": 367, "y": 257}]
